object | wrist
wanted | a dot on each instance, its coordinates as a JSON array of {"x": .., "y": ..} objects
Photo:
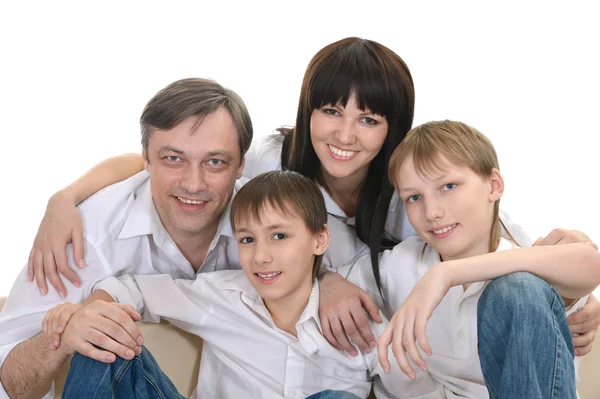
[
  {"x": 63, "y": 196},
  {"x": 444, "y": 271}
]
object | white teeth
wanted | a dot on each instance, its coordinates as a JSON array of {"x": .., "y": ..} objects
[
  {"x": 187, "y": 201},
  {"x": 444, "y": 230},
  {"x": 268, "y": 275},
  {"x": 341, "y": 153}
]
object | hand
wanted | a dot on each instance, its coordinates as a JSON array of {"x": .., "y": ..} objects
[
  {"x": 585, "y": 322},
  {"x": 61, "y": 225},
  {"x": 408, "y": 325},
  {"x": 56, "y": 319},
  {"x": 343, "y": 309},
  {"x": 563, "y": 236},
  {"x": 107, "y": 325}
]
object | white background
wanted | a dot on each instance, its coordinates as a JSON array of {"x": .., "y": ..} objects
[{"x": 74, "y": 78}]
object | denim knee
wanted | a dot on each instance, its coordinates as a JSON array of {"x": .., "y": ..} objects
[{"x": 515, "y": 292}]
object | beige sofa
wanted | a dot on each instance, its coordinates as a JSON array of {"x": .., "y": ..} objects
[{"x": 178, "y": 354}]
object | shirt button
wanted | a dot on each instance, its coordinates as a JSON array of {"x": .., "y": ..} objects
[{"x": 461, "y": 334}]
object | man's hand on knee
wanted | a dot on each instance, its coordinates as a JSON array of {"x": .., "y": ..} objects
[{"x": 106, "y": 325}]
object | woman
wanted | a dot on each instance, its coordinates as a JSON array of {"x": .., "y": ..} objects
[{"x": 356, "y": 105}]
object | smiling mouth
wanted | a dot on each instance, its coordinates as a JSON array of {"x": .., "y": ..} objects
[
  {"x": 267, "y": 276},
  {"x": 341, "y": 153},
  {"x": 189, "y": 201},
  {"x": 445, "y": 229}
]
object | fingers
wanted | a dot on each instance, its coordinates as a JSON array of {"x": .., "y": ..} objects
[
  {"x": 52, "y": 275},
  {"x": 78, "y": 248},
  {"x": 582, "y": 328},
  {"x": 400, "y": 352},
  {"x": 89, "y": 350},
  {"x": 340, "y": 335},
  {"x": 30, "y": 265},
  {"x": 38, "y": 270},
  {"x": 382, "y": 346},
  {"x": 420, "y": 326},
  {"x": 410, "y": 344},
  {"x": 370, "y": 307},
  {"x": 583, "y": 342},
  {"x": 363, "y": 336},
  {"x": 328, "y": 334},
  {"x": 62, "y": 265}
]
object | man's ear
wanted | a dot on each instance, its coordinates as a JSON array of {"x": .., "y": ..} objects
[
  {"x": 496, "y": 185},
  {"x": 146, "y": 162},
  {"x": 322, "y": 241},
  {"x": 240, "y": 168}
]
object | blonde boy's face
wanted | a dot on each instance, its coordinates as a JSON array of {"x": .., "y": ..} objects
[
  {"x": 452, "y": 210},
  {"x": 277, "y": 254}
]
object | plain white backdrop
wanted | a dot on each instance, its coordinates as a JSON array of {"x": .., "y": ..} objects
[{"x": 74, "y": 77}]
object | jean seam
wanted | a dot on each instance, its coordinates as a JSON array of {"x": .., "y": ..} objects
[
  {"x": 557, "y": 348},
  {"x": 122, "y": 369},
  {"x": 152, "y": 382}
]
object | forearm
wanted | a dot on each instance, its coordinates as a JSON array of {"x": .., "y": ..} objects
[
  {"x": 572, "y": 269},
  {"x": 98, "y": 294},
  {"x": 107, "y": 172},
  {"x": 30, "y": 368}
]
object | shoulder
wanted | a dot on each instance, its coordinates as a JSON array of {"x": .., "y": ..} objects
[
  {"x": 409, "y": 251},
  {"x": 264, "y": 155},
  {"x": 105, "y": 212}
]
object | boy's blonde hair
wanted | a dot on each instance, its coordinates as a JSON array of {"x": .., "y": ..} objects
[
  {"x": 286, "y": 191},
  {"x": 457, "y": 142}
]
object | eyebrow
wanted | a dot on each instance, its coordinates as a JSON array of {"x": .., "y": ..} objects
[
  {"x": 225, "y": 154},
  {"x": 170, "y": 149},
  {"x": 276, "y": 226}
]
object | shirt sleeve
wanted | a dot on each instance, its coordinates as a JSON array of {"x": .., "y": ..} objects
[{"x": 25, "y": 308}]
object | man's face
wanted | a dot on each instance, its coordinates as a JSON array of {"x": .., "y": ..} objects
[{"x": 193, "y": 172}]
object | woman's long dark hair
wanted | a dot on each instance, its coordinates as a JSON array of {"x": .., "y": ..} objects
[{"x": 383, "y": 85}]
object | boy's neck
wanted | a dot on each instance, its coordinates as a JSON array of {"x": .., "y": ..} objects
[{"x": 286, "y": 311}]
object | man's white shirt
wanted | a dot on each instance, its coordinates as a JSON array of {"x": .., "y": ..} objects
[
  {"x": 245, "y": 355},
  {"x": 123, "y": 234}
]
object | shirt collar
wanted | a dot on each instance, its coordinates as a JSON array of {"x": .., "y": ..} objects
[
  {"x": 138, "y": 223},
  {"x": 254, "y": 301}
]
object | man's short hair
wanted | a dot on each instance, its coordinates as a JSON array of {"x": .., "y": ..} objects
[{"x": 198, "y": 98}]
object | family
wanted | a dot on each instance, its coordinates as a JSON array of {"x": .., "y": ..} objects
[{"x": 351, "y": 255}]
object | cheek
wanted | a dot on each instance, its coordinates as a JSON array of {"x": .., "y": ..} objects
[{"x": 372, "y": 140}]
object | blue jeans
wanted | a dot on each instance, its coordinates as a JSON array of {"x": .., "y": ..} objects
[
  {"x": 524, "y": 342},
  {"x": 140, "y": 377}
]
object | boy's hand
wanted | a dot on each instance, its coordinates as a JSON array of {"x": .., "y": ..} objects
[
  {"x": 56, "y": 320},
  {"x": 408, "y": 325},
  {"x": 343, "y": 309},
  {"x": 107, "y": 325}
]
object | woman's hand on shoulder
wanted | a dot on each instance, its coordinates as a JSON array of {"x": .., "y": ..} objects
[{"x": 48, "y": 256}]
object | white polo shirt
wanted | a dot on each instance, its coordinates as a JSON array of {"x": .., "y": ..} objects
[
  {"x": 452, "y": 328},
  {"x": 264, "y": 155},
  {"x": 123, "y": 235},
  {"x": 245, "y": 355}
]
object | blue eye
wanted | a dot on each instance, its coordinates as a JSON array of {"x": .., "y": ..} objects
[
  {"x": 449, "y": 186},
  {"x": 413, "y": 198},
  {"x": 173, "y": 158},
  {"x": 279, "y": 236},
  {"x": 215, "y": 162},
  {"x": 246, "y": 240}
]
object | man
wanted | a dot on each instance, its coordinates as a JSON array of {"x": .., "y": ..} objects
[{"x": 171, "y": 219}]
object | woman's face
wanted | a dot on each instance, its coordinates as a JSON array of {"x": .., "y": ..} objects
[{"x": 346, "y": 139}]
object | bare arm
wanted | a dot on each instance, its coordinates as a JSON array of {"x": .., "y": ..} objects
[
  {"x": 107, "y": 172},
  {"x": 30, "y": 368},
  {"x": 572, "y": 269}
]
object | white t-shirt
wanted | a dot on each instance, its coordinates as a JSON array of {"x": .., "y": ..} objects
[{"x": 452, "y": 328}]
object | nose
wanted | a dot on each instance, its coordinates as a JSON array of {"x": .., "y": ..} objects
[
  {"x": 193, "y": 180},
  {"x": 262, "y": 255},
  {"x": 433, "y": 209},
  {"x": 346, "y": 133}
]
